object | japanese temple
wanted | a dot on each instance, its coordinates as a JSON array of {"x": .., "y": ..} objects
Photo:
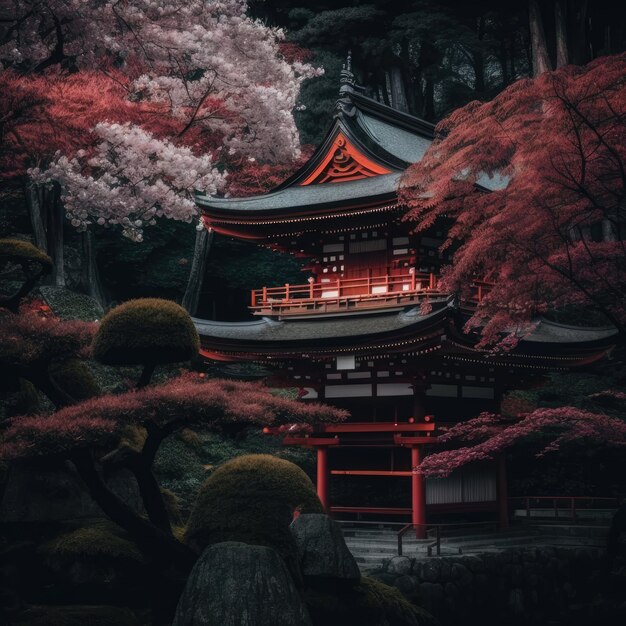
[{"x": 355, "y": 334}]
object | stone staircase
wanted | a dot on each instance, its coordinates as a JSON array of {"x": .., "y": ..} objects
[{"x": 372, "y": 545}]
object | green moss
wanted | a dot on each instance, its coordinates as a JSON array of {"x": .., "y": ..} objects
[
  {"x": 100, "y": 540},
  {"x": 369, "y": 603},
  {"x": 252, "y": 499},
  {"x": 77, "y": 616},
  {"x": 18, "y": 250},
  {"x": 75, "y": 378},
  {"x": 148, "y": 330}
]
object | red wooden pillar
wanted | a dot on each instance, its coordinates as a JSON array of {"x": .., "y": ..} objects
[
  {"x": 503, "y": 499},
  {"x": 322, "y": 477},
  {"x": 418, "y": 496}
]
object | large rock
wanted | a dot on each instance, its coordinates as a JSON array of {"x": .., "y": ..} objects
[
  {"x": 237, "y": 584},
  {"x": 322, "y": 550}
]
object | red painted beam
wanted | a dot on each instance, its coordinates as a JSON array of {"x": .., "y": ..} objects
[
  {"x": 377, "y": 427},
  {"x": 373, "y": 510},
  {"x": 310, "y": 441},
  {"x": 402, "y": 440},
  {"x": 370, "y": 473}
]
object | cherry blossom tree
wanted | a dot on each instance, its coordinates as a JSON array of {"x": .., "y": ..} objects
[
  {"x": 553, "y": 237},
  {"x": 218, "y": 78}
]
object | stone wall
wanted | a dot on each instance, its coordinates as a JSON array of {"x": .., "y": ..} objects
[{"x": 538, "y": 585}]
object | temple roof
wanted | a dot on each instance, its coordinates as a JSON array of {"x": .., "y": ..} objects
[
  {"x": 377, "y": 188},
  {"x": 359, "y": 162},
  {"x": 408, "y": 330},
  {"x": 269, "y": 330}
]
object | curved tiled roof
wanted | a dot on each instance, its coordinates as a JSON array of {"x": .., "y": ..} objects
[
  {"x": 269, "y": 330},
  {"x": 383, "y": 186}
]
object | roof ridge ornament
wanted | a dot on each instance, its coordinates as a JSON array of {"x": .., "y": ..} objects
[{"x": 347, "y": 84}]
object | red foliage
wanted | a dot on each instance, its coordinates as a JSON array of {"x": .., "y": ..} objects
[
  {"x": 492, "y": 434},
  {"x": 555, "y": 235},
  {"x": 32, "y": 340},
  {"x": 42, "y": 114},
  {"x": 219, "y": 404}
]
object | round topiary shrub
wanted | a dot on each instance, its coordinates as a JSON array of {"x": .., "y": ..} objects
[
  {"x": 252, "y": 499},
  {"x": 29, "y": 263},
  {"x": 148, "y": 332}
]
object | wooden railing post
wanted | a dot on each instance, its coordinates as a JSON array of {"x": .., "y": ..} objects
[
  {"x": 287, "y": 291},
  {"x": 264, "y": 295},
  {"x": 253, "y": 298}
]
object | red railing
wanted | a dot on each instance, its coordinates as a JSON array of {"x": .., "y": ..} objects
[
  {"x": 342, "y": 293},
  {"x": 334, "y": 289}
]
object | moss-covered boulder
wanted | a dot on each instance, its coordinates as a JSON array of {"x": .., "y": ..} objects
[
  {"x": 148, "y": 332},
  {"x": 369, "y": 603},
  {"x": 252, "y": 499}
]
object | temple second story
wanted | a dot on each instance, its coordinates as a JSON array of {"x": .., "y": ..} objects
[{"x": 340, "y": 212}]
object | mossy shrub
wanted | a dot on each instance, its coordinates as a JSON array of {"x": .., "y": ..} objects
[
  {"x": 75, "y": 378},
  {"x": 147, "y": 330},
  {"x": 77, "y": 616},
  {"x": 368, "y": 603},
  {"x": 17, "y": 250},
  {"x": 100, "y": 540},
  {"x": 252, "y": 499}
]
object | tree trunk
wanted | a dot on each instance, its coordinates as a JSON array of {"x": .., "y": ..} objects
[
  {"x": 33, "y": 194},
  {"x": 54, "y": 210},
  {"x": 503, "y": 59},
  {"x": 580, "y": 53},
  {"x": 151, "y": 496},
  {"x": 160, "y": 546},
  {"x": 541, "y": 59},
  {"x": 562, "y": 51},
  {"x": 479, "y": 59},
  {"x": 191, "y": 299},
  {"x": 146, "y": 375},
  {"x": 90, "y": 277},
  {"x": 398, "y": 92},
  {"x": 429, "y": 100}
]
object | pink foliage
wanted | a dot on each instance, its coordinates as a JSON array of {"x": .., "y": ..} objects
[
  {"x": 552, "y": 236},
  {"x": 218, "y": 404},
  {"x": 164, "y": 90},
  {"x": 32, "y": 340},
  {"x": 492, "y": 434}
]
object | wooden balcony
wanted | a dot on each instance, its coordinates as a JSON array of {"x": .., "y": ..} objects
[{"x": 340, "y": 295}]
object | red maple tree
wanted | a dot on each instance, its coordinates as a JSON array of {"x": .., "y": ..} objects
[
  {"x": 93, "y": 434},
  {"x": 550, "y": 233}
]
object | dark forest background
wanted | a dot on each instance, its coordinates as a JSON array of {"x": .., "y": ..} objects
[{"x": 426, "y": 57}]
